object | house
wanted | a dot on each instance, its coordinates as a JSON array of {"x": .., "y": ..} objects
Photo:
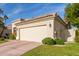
[
  {"x": 36, "y": 29},
  {"x": 1, "y": 29}
]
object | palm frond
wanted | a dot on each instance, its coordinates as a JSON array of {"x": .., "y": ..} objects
[{"x": 5, "y": 17}]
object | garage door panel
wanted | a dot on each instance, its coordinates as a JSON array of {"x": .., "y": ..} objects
[{"x": 33, "y": 34}]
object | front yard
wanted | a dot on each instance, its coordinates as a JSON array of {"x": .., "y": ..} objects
[
  {"x": 2, "y": 41},
  {"x": 70, "y": 49}
]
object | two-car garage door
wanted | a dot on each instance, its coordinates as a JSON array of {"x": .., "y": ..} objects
[{"x": 34, "y": 33}]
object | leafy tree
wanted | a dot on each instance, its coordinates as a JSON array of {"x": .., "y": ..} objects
[
  {"x": 72, "y": 14},
  {"x": 3, "y": 19}
]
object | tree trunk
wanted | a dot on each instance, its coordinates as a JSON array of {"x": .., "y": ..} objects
[{"x": 2, "y": 32}]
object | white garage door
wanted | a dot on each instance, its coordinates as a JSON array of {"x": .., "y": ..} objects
[{"x": 33, "y": 33}]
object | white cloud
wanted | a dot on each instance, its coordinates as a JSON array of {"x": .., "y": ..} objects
[{"x": 16, "y": 11}]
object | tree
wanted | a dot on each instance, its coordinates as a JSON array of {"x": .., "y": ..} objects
[
  {"x": 3, "y": 19},
  {"x": 72, "y": 14}
]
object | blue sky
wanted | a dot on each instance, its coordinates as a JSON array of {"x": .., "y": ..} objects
[{"x": 29, "y": 10}]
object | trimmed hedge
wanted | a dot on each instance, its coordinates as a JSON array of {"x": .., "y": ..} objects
[
  {"x": 59, "y": 41},
  {"x": 77, "y": 36},
  {"x": 48, "y": 41}
]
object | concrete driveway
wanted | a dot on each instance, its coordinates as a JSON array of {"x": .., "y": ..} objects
[{"x": 16, "y": 48}]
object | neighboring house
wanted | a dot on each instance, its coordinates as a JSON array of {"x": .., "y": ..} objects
[
  {"x": 1, "y": 29},
  {"x": 38, "y": 28},
  {"x": 8, "y": 30}
]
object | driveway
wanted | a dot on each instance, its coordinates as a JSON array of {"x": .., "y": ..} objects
[{"x": 16, "y": 47}]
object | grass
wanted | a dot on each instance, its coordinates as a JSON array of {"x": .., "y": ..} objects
[
  {"x": 71, "y": 49},
  {"x": 3, "y": 41}
]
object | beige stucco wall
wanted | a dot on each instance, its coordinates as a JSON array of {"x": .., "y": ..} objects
[
  {"x": 60, "y": 31},
  {"x": 47, "y": 22},
  {"x": 72, "y": 35},
  {"x": 13, "y": 24}
]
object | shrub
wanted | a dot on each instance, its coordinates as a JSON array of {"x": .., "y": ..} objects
[
  {"x": 48, "y": 41},
  {"x": 11, "y": 36},
  {"x": 77, "y": 36},
  {"x": 2, "y": 39},
  {"x": 7, "y": 36},
  {"x": 59, "y": 41}
]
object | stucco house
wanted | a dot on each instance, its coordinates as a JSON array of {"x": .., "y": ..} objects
[
  {"x": 8, "y": 30},
  {"x": 35, "y": 29}
]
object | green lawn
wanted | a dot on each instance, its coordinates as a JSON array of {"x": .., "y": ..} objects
[
  {"x": 2, "y": 41},
  {"x": 71, "y": 49}
]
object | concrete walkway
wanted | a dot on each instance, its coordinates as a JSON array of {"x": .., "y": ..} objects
[{"x": 16, "y": 48}]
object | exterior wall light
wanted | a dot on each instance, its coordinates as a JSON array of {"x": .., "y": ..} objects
[{"x": 50, "y": 25}]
